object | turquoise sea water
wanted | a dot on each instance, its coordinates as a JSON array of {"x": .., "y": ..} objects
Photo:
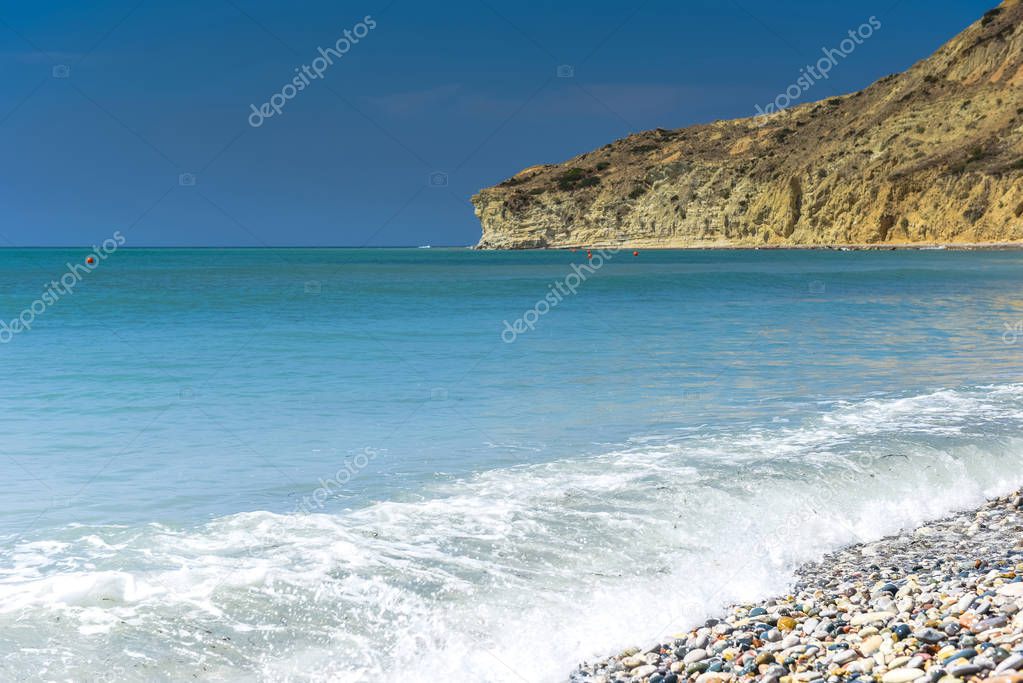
[{"x": 312, "y": 465}]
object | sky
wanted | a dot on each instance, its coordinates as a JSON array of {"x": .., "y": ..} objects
[{"x": 138, "y": 116}]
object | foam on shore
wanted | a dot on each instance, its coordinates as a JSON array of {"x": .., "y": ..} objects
[{"x": 515, "y": 573}]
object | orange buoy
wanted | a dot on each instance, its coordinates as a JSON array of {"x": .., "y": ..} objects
[
  {"x": 635, "y": 253},
  {"x": 90, "y": 260}
]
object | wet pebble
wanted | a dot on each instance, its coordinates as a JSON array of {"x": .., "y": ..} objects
[{"x": 923, "y": 606}]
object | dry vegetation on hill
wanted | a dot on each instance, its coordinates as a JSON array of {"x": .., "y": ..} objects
[{"x": 932, "y": 155}]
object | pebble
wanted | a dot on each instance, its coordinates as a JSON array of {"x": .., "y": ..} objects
[
  {"x": 902, "y": 631},
  {"x": 871, "y": 617},
  {"x": 870, "y": 645},
  {"x": 643, "y": 671},
  {"x": 964, "y": 603},
  {"x": 902, "y": 675},
  {"x": 933, "y": 606},
  {"x": 987, "y": 624},
  {"x": 1012, "y": 590},
  {"x": 632, "y": 662},
  {"x": 1014, "y": 677},
  {"x": 698, "y": 642},
  {"x": 963, "y": 670},
  {"x": 1013, "y": 661},
  {"x": 929, "y": 635}
]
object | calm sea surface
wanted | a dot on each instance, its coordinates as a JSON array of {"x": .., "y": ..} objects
[{"x": 319, "y": 465}]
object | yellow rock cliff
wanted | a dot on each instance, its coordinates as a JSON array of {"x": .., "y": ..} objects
[{"x": 930, "y": 156}]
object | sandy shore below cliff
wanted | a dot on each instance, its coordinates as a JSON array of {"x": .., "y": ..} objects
[
  {"x": 942, "y": 602},
  {"x": 909, "y": 246}
]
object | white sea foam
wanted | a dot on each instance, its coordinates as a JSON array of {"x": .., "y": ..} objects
[{"x": 516, "y": 573}]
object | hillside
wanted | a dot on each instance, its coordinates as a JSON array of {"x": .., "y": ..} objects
[{"x": 930, "y": 156}]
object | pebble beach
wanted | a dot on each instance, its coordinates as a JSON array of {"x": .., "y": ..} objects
[{"x": 939, "y": 603}]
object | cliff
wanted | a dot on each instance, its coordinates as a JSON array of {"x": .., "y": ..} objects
[{"x": 931, "y": 155}]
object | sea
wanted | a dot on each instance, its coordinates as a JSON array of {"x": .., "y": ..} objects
[{"x": 447, "y": 464}]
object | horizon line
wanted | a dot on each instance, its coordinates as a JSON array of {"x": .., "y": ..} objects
[{"x": 200, "y": 246}]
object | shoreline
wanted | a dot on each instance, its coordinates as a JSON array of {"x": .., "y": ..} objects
[
  {"x": 906, "y": 246},
  {"x": 939, "y": 603}
]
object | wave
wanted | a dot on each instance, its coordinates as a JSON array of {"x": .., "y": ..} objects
[{"x": 515, "y": 573}]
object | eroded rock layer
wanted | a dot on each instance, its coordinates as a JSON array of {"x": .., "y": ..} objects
[{"x": 933, "y": 155}]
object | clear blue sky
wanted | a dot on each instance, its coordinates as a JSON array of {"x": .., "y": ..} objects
[{"x": 154, "y": 90}]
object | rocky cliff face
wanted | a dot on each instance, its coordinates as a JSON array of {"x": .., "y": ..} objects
[{"x": 932, "y": 155}]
